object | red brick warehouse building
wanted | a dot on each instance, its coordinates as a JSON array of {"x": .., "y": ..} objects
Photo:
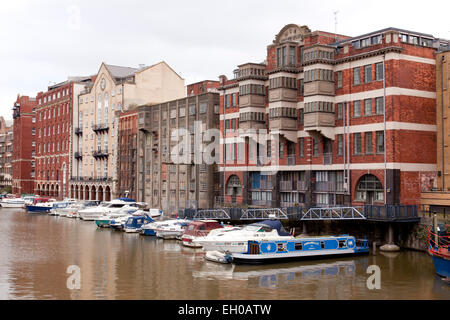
[
  {"x": 54, "y": 114},
  {"x": 128, "y": 123},
  {"x": 24, "y": 134},
  {"x": 349, "y": 120}
]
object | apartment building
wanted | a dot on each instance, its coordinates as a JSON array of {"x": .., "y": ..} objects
[
  {"x": 6, "y": 149},
  {"x": 437, "y": 196},
  {"x": 24, "y": 146},
  {"x": 331, "y": 120},
  {"x": 94, "y": 174},
  {"x": 176, "y": 169},
  {"x": 54, "y": 114}
]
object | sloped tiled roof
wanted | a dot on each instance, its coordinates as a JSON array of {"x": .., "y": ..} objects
[{"x": 119, "y": 72}]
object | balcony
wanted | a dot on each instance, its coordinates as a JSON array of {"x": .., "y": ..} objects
[
  {"x": 285, "y": 185},
  {"x": 100, "y": 153},
  {"x": 78, "y": 131},
  {"x": 100, "y": 127},
  {"x": 78, "y": 155},
  {"x": 329, "y": 186},
  {"x": 302, "y": 186}
]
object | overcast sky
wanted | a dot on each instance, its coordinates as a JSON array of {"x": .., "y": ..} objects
[{"x": 43, "y": 42}]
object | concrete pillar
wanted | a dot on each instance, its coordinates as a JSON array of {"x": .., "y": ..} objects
[{"x": 390, "y": 246}]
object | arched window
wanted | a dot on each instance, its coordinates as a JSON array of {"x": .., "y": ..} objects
[
  {"x": 369, "y": 189},
  {"x": 234, "y": 187}
]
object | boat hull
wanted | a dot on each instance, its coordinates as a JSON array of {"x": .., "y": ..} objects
[
  {"x": 103, "y": 223},
  {"x": 442, "y": 266},
  {"x": 148, "y": 232},
  {"x": 242, "y": 259},
  {"x": 12, "y": 205},
  {"x": 38, "y": 209}
]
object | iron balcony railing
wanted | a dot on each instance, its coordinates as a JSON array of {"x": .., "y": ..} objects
[
  {"x": 100, "y": 153},
  {"x": 302, "y": 185},
  {"x": 78, "y": 155},
  {"x": 100, "y": 127},
  {"x": 286, "y": 185},
  {"x": 78, "y": 130}
]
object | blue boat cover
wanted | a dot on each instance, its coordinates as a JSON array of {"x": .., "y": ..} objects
[
  {"x": 274, "y": 224},
  {"x": 127, "y": 199}
]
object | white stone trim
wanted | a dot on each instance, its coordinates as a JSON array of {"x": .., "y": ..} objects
[
  {"x": 390, "y": 91},
  {"x": 413, "y": 167},
  {"x": 379, "y": 58},
  {"x": 318, "y": 66},
  {"x": 319, "y": 98}
]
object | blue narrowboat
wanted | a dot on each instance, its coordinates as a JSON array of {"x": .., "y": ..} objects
[
  {"x": 301, "y": 249},
  {"x": 439, "y": 249}
]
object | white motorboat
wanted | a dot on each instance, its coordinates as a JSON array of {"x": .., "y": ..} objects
[
  {"x": 105, "y": 208},
  {"x": 150, "y": 228},
  {"x": 105, "y": 220},
  {"x": 172, "y": 230},
  {"x": 71, "y": 211},
  {"x": 235, "y": 240},
  {"x": 12, "y": 203}
]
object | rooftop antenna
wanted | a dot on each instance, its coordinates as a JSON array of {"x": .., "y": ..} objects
[{"x": 335, "y": 23}]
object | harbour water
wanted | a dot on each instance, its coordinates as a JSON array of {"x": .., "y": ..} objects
[{"x": 36, "y": 251}]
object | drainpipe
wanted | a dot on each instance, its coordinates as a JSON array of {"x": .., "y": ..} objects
[
  {"x": 384, "y": 122},
  {"x": 442, "y": 121},
  {"x": 224, "y": 146}
]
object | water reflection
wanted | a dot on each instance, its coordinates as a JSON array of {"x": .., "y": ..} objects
[{"x": 37, "y": 249}]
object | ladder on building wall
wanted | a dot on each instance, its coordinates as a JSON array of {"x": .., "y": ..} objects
[{"x": 339, "y": 213}]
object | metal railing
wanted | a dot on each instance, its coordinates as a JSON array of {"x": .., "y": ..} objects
[
  {"x": 263, "y": 214},
  {"x": 338, "y": 213},
  {"x": 285, "y": 185},
  {"x": 388, "y": 213},
  {"x": 302, "y": 185},
  {"x": 391, "y": 212}
]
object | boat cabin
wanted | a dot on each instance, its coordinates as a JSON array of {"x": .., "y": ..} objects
[{"x": 201, "y": 228}]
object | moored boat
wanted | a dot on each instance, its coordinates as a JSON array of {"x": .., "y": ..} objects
[
  {"x": 105, "y": 220},
  {"x": 12, "y": 203},
  {"x": 105, "y": 208},
  {"x": 172, "y": 231},
  {"x": 265, "y": 251},
  {"x": 135, "y": 222},
  {"x": 439, "y": 247},
  {"x": 235, "y": 239},
  {"x": 197, "y": 229},
  {"x": 40, "y": 205}
]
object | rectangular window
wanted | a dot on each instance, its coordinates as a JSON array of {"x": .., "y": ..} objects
[
  {"x": 234, "y": 99},
  {"x": 368, "y": 107},
  {"x": 339, "y": 79},
  {"x": 356, "y": 76},
  {"x": 315, "y": 148},
  {"x": 301, "y": 147},
  {"x": 379, "y": 105},
  {"x": 340, "y": 144},
  {"x": 356, "y": 109},
  {"x": 292, "y": 56},
  {"x": 368, "y": 142},
  {"x": 380, "y": 142},
  {"x": 368, "y": 74},
  {"x": 301, "y": 119},
  {"x": 279, "y": 57},
  {"x": 357, "y": 143},
  {"x": 340, "y": 111},
  {"x": 379, "y": 71}
]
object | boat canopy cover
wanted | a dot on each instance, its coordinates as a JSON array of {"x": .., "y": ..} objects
[
  {"x": 274, "y": 224},
  {"x": 127, "y": 199}
]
